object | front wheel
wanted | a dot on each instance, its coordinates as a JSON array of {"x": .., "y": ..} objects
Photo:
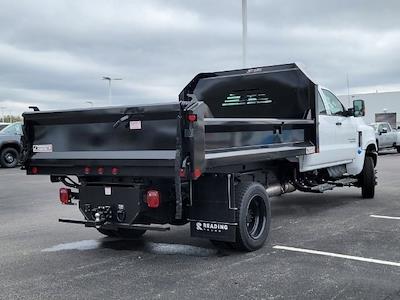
[
  {"x": 368, "y": 179},
  {"x": 254, "y": 216},
  {"x": 9, "y": 158}
]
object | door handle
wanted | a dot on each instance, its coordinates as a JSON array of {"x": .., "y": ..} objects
[{"x": 338, "y": 123}]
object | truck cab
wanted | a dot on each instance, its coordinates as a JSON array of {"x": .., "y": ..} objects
[{"x": 343, "y": 135}]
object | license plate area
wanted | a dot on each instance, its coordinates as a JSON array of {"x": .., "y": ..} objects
[{"x": 120, "y": 204}]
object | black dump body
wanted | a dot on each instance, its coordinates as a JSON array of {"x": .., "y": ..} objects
[
  {"x": 242, "y": 116},
  {"x": 252, "y": 115},
  {"x": 224, "y": 125},
  {"x": 91, "y": 138}
]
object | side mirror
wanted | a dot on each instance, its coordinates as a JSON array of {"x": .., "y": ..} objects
[
  {"x": 384, "y": 130},
  {"x": 358, "y": 108}
]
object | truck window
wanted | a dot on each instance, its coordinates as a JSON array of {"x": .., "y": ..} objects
[
  {"x": 382, "y": 127},
  {"x": 321, "y": 105},
  {"x": 334, "y": 105}
]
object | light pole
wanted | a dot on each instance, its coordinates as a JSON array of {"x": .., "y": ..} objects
[
  {"x": 109, "y": 87},
  {"x": 244, "y": 31}
]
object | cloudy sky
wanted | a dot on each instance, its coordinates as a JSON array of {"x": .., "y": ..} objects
[{"x": 53, "y": 53}]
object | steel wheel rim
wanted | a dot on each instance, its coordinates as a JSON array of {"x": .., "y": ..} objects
[
  {"x": 9, "y": 157},
  {"x": 255, "y": 217}
]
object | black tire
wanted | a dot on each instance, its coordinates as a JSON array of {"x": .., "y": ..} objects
[
  {"x": 368, "y": 179},
  {"x": 9, "y": 158},
  {"x": 398, "y": 149},
  {"x": 254, "y": 216}
]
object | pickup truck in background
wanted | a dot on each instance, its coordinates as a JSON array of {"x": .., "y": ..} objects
[
  {"x": 213, "y": 159},
  {"x": 10, "y": 145},
  {"x": 386, "y": 136}
]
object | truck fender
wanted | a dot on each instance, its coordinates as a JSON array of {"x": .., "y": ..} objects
[{"x": 369, "y": 149}]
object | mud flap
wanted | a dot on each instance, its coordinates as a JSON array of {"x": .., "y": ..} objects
[
  {"x": 213, "y": 230},
  {"x": 213, "y": 210}
]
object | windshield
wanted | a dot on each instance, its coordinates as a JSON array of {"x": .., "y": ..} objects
[
  {"x": 14, "y": 128},
  {"x": 3, "y": 126}
]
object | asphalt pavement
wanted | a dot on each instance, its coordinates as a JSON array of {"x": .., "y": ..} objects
[{"x": 330, "y": 246}]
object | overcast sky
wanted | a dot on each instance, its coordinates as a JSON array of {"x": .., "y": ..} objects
[{"x": 53, "y": 53}]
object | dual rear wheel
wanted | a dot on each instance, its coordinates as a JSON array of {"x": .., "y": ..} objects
[{"x": 254, "y": 217}]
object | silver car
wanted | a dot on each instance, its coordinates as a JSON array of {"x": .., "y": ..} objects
[{"x": 386, "y": 136}]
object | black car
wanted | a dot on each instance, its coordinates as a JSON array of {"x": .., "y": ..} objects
[{"x": 10, "y": 145}]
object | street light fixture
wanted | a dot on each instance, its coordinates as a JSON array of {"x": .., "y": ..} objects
[
  {"x": 109, "y": 87},
  {"x": 90, "y": 103}
]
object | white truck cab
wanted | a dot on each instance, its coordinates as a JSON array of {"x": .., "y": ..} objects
[{"x": 344, "y": 137}]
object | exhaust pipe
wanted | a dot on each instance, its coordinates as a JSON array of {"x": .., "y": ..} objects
[{"x": 279, "y": 189}]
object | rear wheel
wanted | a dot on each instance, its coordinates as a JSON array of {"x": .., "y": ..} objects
[
  {"x": 398, "y": 149},
  {"x": 368, "y": 179},
  {"x": 254, "y": 216},
  {"x": 9, "y": 158}
]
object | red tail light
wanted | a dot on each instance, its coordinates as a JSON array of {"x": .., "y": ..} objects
[
  {"x": 114, "y": 171},
  {"x": 65, "y": 196},
  {"x": 34, "y": 170},
  {"x": 196, "y": 173},
  {"x": 192, "y": 117},
  {"x": 100, "y": 170},
  {"x": 87, "y": 170},
  {"x": 153, "y": 199}
]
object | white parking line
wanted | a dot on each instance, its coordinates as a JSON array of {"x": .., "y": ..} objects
[
  {"x": 384, "y": 217},
  {"x": 370, "y": 260}
]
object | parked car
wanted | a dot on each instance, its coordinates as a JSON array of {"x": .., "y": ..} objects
[
  {"x": 386, "y": 136},
  {"x": 10, "y": 145},
  {"x": 2, "y": 125}
]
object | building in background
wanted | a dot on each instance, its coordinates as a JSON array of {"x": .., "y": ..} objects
[{"x": 377, "y": 103}]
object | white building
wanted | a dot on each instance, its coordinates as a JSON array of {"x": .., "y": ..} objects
[{"x": 377, "y": 103}]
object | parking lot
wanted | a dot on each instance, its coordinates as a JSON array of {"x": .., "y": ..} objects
[{"x": 326, "y": 246}]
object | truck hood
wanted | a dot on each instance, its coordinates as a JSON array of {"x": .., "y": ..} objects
[{"x": 9, "y": 137}]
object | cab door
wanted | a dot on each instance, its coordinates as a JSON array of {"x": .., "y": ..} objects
[
  {"x": 327, "y": 143},
  {"x": 346, "y": 134},
  {"x": 385, "y": 137},
  {"x": 391, "y": 135}
]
